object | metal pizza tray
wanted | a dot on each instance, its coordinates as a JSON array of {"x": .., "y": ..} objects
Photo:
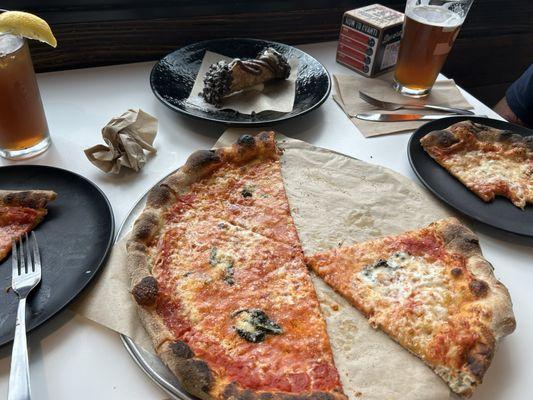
[{"x": 149, "y": 363}]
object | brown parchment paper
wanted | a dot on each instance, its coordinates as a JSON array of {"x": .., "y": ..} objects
[
  {"x": 346, "y": 94},
  {"x": 334, "y": 200}
]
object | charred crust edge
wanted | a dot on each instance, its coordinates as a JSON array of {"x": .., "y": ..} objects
[
  {"x": 233, "y": 392},
  {"x": 27, "y": 198},
  {"x": 160, "y": 196},
  {"x": 202, "y": 159},
  {"x": 490, "y": 134},
  {"x": 246, "y": 141},
  {"x": 478, "y": 359},
  {"x": 145, "y": 292},
  {"x": 181, "y": 349},
  {"x": 266, "y": 137},
  {"x": 248, "y": 146},
  {"x": 146, "y": 227},
  {"x": 441, "y": 138},
  {"x": 479, "y": 287},
  {"x": 459, "y": 238},
  {"x": 194, "y": 374}
]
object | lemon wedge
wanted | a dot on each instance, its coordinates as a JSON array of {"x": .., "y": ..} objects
[{"x": 28, "y": 25}]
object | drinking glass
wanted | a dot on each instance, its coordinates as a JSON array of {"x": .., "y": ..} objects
[
  {"x": 23, "y": 127},
  {"x": 429, "y": 30}
]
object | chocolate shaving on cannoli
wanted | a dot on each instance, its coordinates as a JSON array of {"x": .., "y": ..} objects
[{"x": 223, "y": 78}]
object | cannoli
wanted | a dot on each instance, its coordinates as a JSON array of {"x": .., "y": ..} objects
[{"x": 223, "y": 78}]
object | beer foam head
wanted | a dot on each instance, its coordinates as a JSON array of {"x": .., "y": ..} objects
[
  {"x": 434, "y": 15},
  {"x": 9, "y": 44}
]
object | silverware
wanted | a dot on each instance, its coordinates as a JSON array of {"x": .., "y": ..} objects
[
  {"x": 378, "y": 117},
  {"x": 389, "y": 106},
  {"x": 26, "y": 275}
]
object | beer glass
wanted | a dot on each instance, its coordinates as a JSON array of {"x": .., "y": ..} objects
[
  {"x": 23, "y": 127},
  {"x": 429, "y": 30}
]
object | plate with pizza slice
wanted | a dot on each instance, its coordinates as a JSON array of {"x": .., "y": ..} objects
[
  {"x": 482, "y": 167},
  {"x": 74, "y": 225}
]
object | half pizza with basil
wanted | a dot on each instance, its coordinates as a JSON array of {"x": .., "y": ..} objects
[{"x": 219, "y": 276}]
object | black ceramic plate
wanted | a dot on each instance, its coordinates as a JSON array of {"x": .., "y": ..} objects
[
  {"x": 74, "y": 239},
  {"x": 500, "y": 213},
  {"x": 172, "y": 79}
]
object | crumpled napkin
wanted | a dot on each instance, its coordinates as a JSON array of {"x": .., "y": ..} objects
[{"x": 127, "y": 137}]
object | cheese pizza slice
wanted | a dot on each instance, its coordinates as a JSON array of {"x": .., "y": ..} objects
[
  {"x": 488, "y": 161},
  {"x": 432, "y": 291},
  {"x": 244, "y": 187},
  {"x": 20, "y": 212}
]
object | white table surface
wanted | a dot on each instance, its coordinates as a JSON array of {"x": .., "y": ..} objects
[{"x": 71, "y": 357}]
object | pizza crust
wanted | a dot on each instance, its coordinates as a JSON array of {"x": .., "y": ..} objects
[
  {"x": 489, "y": 290},
  {"x": 194, "y": 374},
  {"x": 36, "y": 199},
  {"x": 445, "y": 138},
  {"x": 491, "y": 293},
  {"x": 232, "y": 391}
]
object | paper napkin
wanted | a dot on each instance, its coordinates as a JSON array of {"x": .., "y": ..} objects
[
  {"x": 127, "y": 137},
  {"x": 444, "y": 93}
]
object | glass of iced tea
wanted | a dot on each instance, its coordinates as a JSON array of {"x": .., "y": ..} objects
[
  {"x": 429, "y": 30},
  {"x": 23, "y": 127}
]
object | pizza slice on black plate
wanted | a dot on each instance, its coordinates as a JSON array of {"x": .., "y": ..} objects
[{"x": 20, "y": 212}]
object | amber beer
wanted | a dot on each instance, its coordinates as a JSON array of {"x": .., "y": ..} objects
[
  {"x": 428, "y": 35},
  {"x": 23, "y": 127}
]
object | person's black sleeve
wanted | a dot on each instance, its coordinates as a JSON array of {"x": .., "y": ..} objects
[{"x": 520, "y": 97}]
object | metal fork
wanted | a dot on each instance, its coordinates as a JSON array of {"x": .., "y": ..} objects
[
  {"x": 25, "y": 276},
  {"x": 389, "y": 106}
]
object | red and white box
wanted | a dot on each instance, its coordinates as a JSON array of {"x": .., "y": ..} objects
[{"x": 369, "y": 39}]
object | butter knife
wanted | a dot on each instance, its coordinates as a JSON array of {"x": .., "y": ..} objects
[{"x": 378, "y": 117}]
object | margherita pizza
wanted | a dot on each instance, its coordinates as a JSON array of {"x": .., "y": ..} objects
[
  {"x": 219, "y": 277},
  {"x": 432, "y": 291},
  {"x": 20, "y": 212},
  {"x": 488, "y": 161}
]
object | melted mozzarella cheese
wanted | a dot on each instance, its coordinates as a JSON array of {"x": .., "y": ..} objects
[
  {"x": 410, "y": 295},
  {"x": 475, "y": 168}
]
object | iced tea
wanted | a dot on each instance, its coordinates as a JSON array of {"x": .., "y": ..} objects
[{"x": 23, "y": 127}]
